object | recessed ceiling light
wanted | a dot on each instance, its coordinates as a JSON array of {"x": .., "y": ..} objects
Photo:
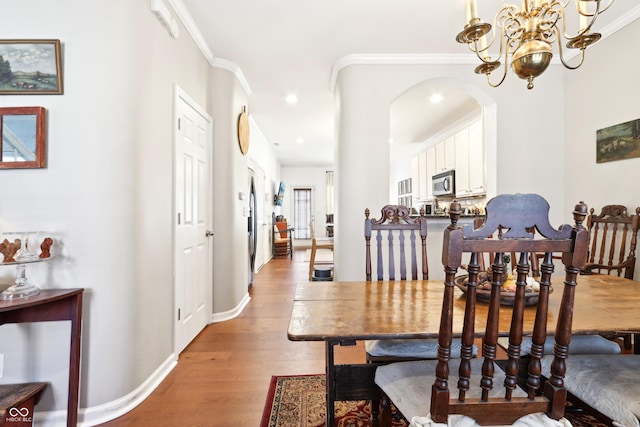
[
  {"x": 435, "y": 98},
  {"x": 299, "y": 141},
  {"x": 291, "y": 98}
]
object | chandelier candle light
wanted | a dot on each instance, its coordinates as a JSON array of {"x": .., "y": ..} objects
[{"x": 525, "y": 36}]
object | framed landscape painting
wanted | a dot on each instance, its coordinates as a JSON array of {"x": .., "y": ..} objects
[
  {"x": 30, "y": 67},
  {"x": 618, "y": 142}
]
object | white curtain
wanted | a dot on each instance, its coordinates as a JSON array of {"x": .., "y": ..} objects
[{"x": 329, "y": 192}]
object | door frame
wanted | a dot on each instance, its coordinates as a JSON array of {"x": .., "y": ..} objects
[{"x": 180, "y": 94}]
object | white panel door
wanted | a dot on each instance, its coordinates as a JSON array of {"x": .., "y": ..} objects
[{"x": 193, "y": 193}]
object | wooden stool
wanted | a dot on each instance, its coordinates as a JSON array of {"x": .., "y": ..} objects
[{"x": 17, "y": 402}]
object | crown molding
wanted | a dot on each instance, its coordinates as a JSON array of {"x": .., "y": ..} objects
[
  {"x": 196, "y": 35},
  {"x": 397, "y": 59},
  {"x": 180, "y": 9},
  {"x": 232, "y": 67}
]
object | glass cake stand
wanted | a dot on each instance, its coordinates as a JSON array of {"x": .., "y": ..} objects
[{"x": 22, "y": 288}]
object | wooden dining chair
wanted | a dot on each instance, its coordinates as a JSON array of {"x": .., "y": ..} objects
[
  {"x": 614, "y": 235},
  {"x": 315, "y": 245},
  {"x": 612, "y": 249},
  {"x": 396, "y": 225},
  {"x": 400, "y": 254},
  {"x": 282, "y": 239},
  {"x": 396, "y": 235},
  {"x": 486, "y": 394}
]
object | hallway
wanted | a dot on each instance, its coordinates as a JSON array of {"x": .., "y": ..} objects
[{"x": 222, "y": 377}]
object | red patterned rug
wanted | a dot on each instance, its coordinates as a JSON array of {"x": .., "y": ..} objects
[{"x": 298, "y": 401}]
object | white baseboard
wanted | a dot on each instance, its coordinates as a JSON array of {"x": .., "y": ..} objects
[
  {"x": 231, "y": 314},
  {"x": 108, "y": 411}
]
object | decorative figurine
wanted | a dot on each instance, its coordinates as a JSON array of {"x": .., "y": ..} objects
[
  {"x": 45, "y": 247},
  {"x": 9, "y": 249}
]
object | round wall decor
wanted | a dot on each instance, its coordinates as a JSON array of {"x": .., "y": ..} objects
[{"x": 243, "y": 130}]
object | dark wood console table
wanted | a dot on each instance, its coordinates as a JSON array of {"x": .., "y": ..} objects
[{"x": 51, "y": 305}]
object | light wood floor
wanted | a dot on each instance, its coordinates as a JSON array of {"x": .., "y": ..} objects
[{"x": 223, "y": 376}]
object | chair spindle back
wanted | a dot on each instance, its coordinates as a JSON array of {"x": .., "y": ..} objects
[
  {"x": 396, "y": 224},
  {"x": 519, "y": 215}
]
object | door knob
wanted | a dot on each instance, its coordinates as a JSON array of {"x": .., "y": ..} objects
[{"x": 208, "y": 233}]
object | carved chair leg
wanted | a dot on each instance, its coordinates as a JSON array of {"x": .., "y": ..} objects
[
  {"x": 627, "y": 342},
  {"x": 385, "y": 411},
  {"x": 375, "y": 411}
]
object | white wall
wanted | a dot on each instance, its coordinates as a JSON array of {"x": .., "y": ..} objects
[
  {"x": 262, "y": 159},
  {"x": 602, "y": 93},
  {"x": 230, "y": 251},
  {"x": 106, "y": 194}
]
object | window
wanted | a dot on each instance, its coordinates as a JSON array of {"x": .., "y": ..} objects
[
  {"x": 302, "y": 213},
  {"x": 330, "y": 192}
]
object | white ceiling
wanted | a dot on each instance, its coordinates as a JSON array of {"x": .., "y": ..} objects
[{"x": 296, "y": 46}]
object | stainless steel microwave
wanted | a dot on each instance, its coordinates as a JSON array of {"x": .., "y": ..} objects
[{"x": 444, "y": 184}]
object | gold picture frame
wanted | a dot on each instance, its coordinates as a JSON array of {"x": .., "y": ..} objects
[
  {"x": 618, "y": 142},
  {"x": 30, "y": 67}
]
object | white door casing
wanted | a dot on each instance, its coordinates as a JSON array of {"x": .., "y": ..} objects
[{"x": 192, "y": 220}]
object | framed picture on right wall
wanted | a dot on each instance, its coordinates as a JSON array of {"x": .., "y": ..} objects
[{"x": 618, "y": 142}]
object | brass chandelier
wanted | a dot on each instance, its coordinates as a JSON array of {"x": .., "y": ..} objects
[{"x": 526, "y": 34}]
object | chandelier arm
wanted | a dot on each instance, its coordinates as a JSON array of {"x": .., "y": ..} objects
[
  {"x": 478, "y": 49},
  {"x": 604, "y": 9},
  {"x": 556, "y": 10},
  {"x": 507, "y": 19},
  {"x": 502, "y": 48},
  {"x": 504, "y": 75},
  {"x": 504, "y": 64},
  {"x": 567, "y": 65}
]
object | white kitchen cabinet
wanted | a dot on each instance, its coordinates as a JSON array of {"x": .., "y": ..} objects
[
  {"x": 463, "y": 152},
  {"x": 462, "y": 160},
  {"x": 476, "y": 162},
  {"x": 445, "y": 155},
  {"x": 422, "y": 183},
  {"x": 415, "y": 178},
  {"x": 431, "y": 170},
  {"x": 449, "y": 154},
  {"x": 439, "y": 150}
]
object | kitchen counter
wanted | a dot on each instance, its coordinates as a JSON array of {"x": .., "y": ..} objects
[
  {"x": 436, "y": 224},
  {"x": 443, "y": 216}
]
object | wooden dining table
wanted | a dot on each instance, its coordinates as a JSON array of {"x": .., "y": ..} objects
[{"x": 341, "y": 313}]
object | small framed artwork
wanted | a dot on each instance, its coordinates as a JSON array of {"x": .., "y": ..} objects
[
  {"x": 30, "y": 67},
  {"x": 618, "y": 142}
]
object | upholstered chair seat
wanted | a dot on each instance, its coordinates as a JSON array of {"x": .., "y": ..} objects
[
  {"x": 408, "y": 386},
  {"x": 609, "y": 384},
  {"x": 409, "y": 349}
]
